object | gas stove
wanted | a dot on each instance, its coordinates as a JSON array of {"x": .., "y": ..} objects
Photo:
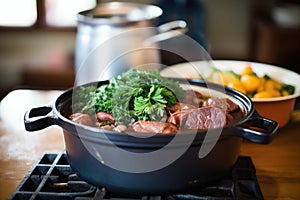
[{"x": 53, "y": 178}]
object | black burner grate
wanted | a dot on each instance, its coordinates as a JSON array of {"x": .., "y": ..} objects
[{"x": 52, "y": 178}]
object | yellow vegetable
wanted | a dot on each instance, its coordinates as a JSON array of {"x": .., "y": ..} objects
[
  {"x": 227, "y": 77},
  {"x": 247, "y": 70},
  {"x": 269, "y": 85},
  {"x": 261, "y": 86},
  {"x": 250, "y": 82},
  {"x": 275, "y": 93},
  {"x": 267, "y": 94},
  {"x": 285, "y": 93},
  {"x": 237, "y": 85},
  {"x": 263, "y": 94},
  {"x": 278, "y": 85}
]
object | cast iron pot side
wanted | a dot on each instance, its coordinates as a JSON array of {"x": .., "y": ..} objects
[{"x": 185, "y": 173}]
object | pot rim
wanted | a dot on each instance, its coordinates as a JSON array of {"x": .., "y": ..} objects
[
  {"x": 119, "y": 13},
  {"x": 243, "y": 101}
]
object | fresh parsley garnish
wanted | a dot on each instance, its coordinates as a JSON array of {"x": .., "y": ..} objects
[{"x": 135, "y": 95}]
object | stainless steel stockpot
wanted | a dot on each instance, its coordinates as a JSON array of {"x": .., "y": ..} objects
[{"x": 117, "y": 35}]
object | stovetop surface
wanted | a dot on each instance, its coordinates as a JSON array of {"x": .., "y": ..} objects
[{"x": 52, "y": 178}]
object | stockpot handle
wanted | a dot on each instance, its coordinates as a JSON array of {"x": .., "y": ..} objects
[
  {"x": 166, "y": 31},
  {"x": 39, "y": 118},
  {"x": 257, "y": 129}
]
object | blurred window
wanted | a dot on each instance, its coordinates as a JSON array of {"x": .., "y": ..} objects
[
  {"x": 63, "y": 12},
  {"x": 42, "y": 13},
  {"x": 16, "y": 13}
]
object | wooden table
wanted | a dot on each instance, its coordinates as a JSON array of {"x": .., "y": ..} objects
[{"x": 277, "y": 164}]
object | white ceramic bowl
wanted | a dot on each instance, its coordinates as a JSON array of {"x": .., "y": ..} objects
[{"x": 278, "y": 108}]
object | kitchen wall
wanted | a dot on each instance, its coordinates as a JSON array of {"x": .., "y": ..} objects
[
  {"x": 226, "y": 30},
  {"x": 228, "y": 27},
  {"x": 31, "y": 48}
]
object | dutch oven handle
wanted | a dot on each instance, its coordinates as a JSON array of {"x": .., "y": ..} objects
[
  {"x": 39, "y": 118},
  {"x": 257, "y": 129},
  {"x": 166, "y": 31}
]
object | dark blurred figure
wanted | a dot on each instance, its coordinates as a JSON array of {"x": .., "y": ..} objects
[
  {"x": 192, "y": 11},
  {"x": 189, "y": 10},
  {"x": 275, "y": 40}
]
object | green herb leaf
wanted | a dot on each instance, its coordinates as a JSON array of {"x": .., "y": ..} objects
[
  {"x": 143, "y": 95},
  {"x": 81, "y": 96},
  {"x": 134, "y": 95},
  {"x": 266, "y": 77},
  {"x": 289, "y": 88}
]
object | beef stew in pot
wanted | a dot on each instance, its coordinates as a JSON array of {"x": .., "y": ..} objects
[{"x": 154, "y": 105}]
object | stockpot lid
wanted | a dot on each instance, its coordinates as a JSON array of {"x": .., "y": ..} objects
[{"x": 119, "y": 13}]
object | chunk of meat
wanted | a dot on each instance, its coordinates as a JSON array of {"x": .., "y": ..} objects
[
  {"x": 229, "y": 118},
  {"x": 192, "y": 97},
  {"x": 104, "y": 117},
  {"x": 178, "y": 116},
  {"x": 179, "y": 106},
  {"x": 82, "y": 118},
  {"x": 154, "y": 127},
  {"x": 223, "y": 103},
  {"x": 199, "y": 118}
]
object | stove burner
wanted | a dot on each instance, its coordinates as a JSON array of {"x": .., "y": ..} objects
[{"x": 53, "y": 178}]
